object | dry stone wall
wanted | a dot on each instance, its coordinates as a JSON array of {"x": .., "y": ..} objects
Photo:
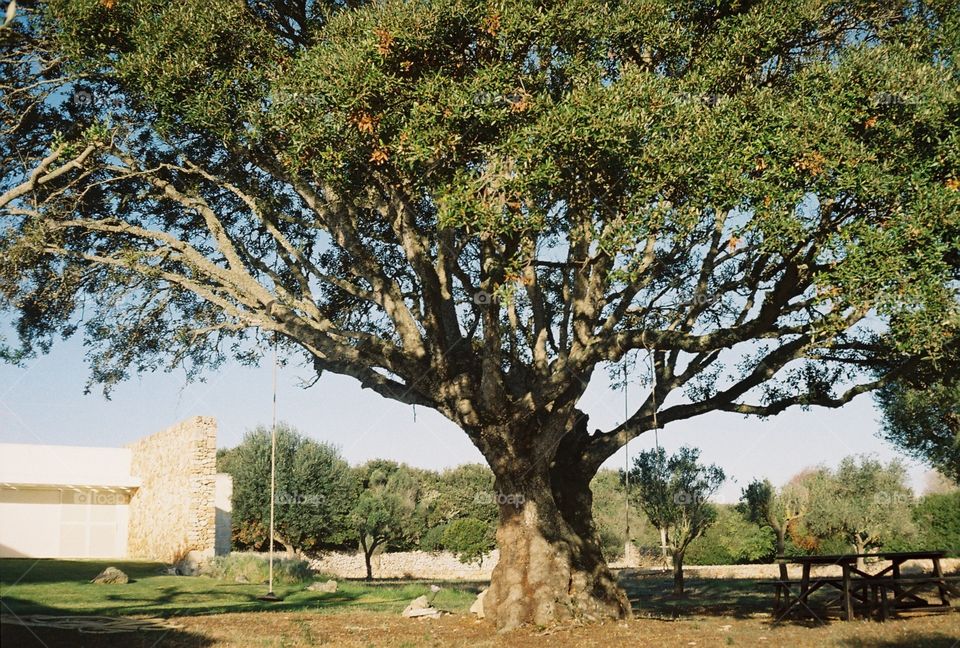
[
  {"x": 173, "y": 511},
  {"x": 441, "y": 565}
]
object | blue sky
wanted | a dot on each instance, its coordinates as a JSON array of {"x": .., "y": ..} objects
[{"x": 43, "y": 402}]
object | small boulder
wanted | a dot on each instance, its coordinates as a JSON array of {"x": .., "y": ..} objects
[
  {"x": 328, "y": 587},
  {"x": 477, "y": 607},
  {"x": 111, "y": 576},
  {"x": 191, "y": 564},
  {"x": 425, "y": 613},
  {"x": 416, "y": 606},
  {"x": 240, "y": 578}
]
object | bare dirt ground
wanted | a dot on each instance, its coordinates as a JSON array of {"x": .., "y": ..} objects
[{"x": 380, "y": 629}]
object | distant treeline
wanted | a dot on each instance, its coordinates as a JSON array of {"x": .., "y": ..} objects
[{"x": 323, "y": 503}]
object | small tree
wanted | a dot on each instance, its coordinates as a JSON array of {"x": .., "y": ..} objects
[
  {"x": 314, "y": 490},
  {"x": 673, "y": 492},
  {"x": 763, "y": 504},
  {"x": 469, "y": 538},
  {"x": 864, "y": 501},
  {"x": 386, "y": 511}
]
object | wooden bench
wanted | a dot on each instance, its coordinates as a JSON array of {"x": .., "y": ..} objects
[
  {"x": 905, "y": 589},
  {"x": 868, "y": 591},
  {"x": 788, "y": 593}
]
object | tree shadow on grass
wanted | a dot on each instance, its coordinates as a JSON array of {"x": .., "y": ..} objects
[
  {"x": 171, "y": 601},
  {"x": 26, "y": 631},
  {"x": 53, "y": 570},
  {"x": 652, "y": 596}
]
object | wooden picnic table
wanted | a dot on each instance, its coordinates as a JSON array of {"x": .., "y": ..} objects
[{"x": 869, "y": 590}]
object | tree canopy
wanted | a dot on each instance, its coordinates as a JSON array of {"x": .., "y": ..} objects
[
  {"x": 865, "y": 502},
  {"x": 473, "y": 207},
  {"x": 921, "y": 415},
  {"x": 315, "y": 490},
  {"x": 388, "y": 510}
]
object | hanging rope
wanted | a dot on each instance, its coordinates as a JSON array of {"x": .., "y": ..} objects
[
  {"x": 653, "y": 397},
  {"x": 273, "y": 458},
  {"x": 626, "y": 458}
]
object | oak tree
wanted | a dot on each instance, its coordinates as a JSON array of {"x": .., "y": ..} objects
[{"x": 474, "y": 207}]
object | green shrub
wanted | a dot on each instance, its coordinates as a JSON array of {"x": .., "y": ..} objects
[
  {"x": 432, "y": 538},
  {"x": 255, "y": 568},
  {"x": 469, "y": 538},
  {"x": 611, "y": 542},
  {"x": 732, "y": 540},
  {"x": 938, "y": 518}
]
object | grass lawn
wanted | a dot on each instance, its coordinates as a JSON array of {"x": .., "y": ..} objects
[
  {"x": 29, "y": 586},
  {"x": 208, "y": 612}
]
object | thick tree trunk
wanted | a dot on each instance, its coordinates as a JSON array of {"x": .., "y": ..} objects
[
  {"x": 551, "y": 568},
  {"x": 678, "y": 573}
]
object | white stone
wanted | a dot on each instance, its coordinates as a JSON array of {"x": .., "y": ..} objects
[
  {"x": 328, "y": 587},
  {"x": 477, "y": 607},
  {"x": 417, "y": 604}
]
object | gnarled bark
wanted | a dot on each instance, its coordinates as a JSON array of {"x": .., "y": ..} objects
[{"x": 551, "y": 567}]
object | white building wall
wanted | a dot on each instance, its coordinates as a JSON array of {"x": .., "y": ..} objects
[
  {"x": 64, "y": 501},
  {"x": 22, "y": 463},
  {"x": 29, "y": 523}
]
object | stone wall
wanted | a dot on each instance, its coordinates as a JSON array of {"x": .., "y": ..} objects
[
  {"x": 441, "y": 565},
  {"x": 173, "y": 511},
  {"x": 445, "y": 566}
]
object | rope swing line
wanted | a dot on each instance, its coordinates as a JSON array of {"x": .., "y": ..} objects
[
  {"x": 626, "y": 458},
  {"x": 626, "y": 445},
  {"x": 653, "y": 397},
  {"x": 273, "y": 455},
  {"x": 270, "y": 596},
  {"x": 651, "y": 353}
]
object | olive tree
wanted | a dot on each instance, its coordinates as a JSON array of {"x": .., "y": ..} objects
[
  {"x": 674, "y": 492},
  {"x": 314, "y": 490},
  {"x": 864, "y": 501},
  {"x": 476, "y": 207},
  {"x": 387, "y": 510}
]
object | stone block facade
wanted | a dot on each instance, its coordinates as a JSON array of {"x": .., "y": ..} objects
[{"x": 174, "y": 510}]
